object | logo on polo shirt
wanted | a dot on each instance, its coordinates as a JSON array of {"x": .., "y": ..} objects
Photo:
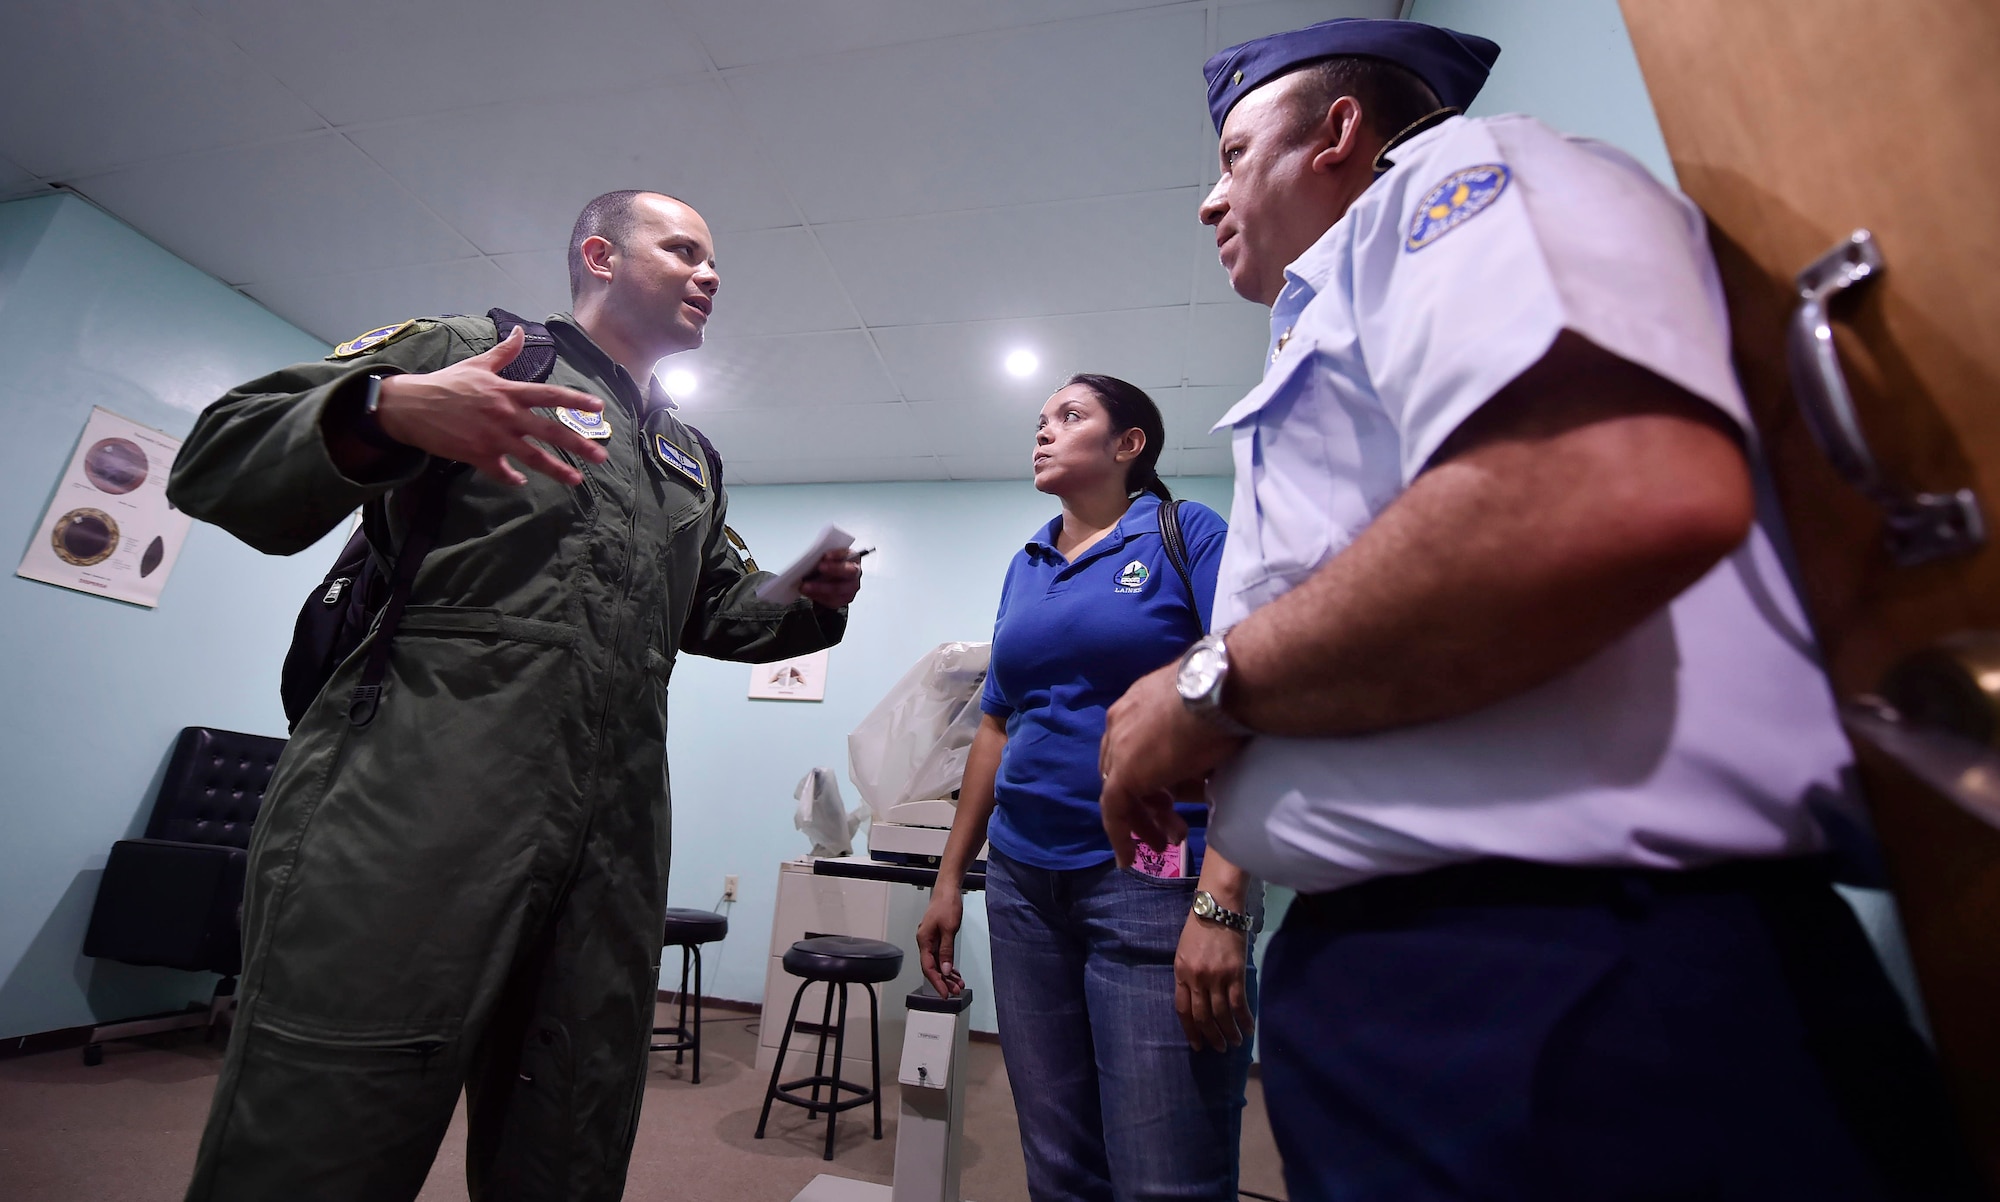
[{"x": 1132, "y": 577}]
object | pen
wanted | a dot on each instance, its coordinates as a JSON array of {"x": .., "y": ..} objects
[{"x": 858, "y": 556}]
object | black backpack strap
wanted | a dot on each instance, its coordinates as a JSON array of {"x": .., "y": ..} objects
[
  {"x": 1177, "y": 552},
  {"x": 538, "y": 351},
  {"x": 425, "y": 497}
]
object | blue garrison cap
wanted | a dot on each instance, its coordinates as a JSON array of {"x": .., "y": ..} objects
[{"x": 1453, "y": 64}]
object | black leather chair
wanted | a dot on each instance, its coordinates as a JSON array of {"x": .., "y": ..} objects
[{"x": 174, "y": 898}]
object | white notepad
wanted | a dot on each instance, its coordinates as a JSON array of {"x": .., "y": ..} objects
[{"x": 784, "y": 587}]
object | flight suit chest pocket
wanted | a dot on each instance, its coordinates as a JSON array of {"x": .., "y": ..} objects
[{"x": 681, "y": 479}]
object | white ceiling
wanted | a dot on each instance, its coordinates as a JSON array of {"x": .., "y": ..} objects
[{"x": 902, "y": 191}]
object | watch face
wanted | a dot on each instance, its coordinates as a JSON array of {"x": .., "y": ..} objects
[
  {"x": 1199, "y": 673},
  {"x": 1204, "y": 905}
]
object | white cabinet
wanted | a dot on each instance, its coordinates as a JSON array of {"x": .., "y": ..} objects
[{"x": 811, "y": 905}]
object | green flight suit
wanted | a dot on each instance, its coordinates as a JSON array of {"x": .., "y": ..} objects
[{"x": 468, "y": 891}]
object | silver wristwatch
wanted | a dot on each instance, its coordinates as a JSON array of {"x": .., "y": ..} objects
[
  {"x": 1204, "y": 671},
  {"x": 1206, "y": 907}
]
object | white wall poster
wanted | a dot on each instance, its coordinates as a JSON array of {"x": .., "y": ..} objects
[
  {"x": 109, "y": 530},
  {"x": 799, "y": 679}
]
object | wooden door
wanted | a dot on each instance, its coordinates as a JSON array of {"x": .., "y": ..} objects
[{"x": 1793, "y": 124}]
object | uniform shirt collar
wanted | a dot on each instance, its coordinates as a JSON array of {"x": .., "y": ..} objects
[
  {"x": 1139, "y": 518},
  {"x": 578, "y": 344},
  {"x": 1309, "y": 273}
]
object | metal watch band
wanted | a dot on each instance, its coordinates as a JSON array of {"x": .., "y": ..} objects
[{"x": 1210, "y": 910}]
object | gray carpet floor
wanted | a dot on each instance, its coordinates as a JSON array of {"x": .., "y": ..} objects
[{"x": 126, "y": 1130}]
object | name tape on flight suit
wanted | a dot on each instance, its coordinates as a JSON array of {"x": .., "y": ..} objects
[{"x": 682, "y": 462}]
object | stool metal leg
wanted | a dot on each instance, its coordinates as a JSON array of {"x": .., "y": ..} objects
[
  {"x": 839, "y": 1045},
  {"x": 695, "y": 1031},
  {"x": 819, "y": 1060},
  {"x": 875, "y": 1047},
  {"x": 682, "y": 1020},
  {"x": 784, "y": 1043}
]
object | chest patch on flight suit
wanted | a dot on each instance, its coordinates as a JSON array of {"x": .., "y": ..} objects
[
  {"x": 1461, "y": 197},
  {"x": 682, "y": 462},
  {"x": 590, "y": 425},
  {"x": 361, "y": 344},
  {"x": 1132, "y": 577}
]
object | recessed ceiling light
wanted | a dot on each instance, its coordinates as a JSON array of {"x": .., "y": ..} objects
[
  {"x": 1022, "y": 363},
  {"x": 680, "y": 382}
]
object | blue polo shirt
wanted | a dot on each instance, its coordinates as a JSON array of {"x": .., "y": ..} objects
[{"x": 1070, "y": 639}]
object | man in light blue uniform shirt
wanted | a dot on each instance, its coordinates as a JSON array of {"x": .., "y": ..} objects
[{"x": 1512, "y": 685}]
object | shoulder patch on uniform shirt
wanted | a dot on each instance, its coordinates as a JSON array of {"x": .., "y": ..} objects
[
  {"x": 590, "y": 425},
  {"x": 682, "y": 462},
  {"x": 375, "y": 339},
  {"x": 1457, "y": 200}
]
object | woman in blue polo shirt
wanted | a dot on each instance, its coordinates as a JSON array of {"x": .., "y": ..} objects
[{"x": 1124, "y": 1018}]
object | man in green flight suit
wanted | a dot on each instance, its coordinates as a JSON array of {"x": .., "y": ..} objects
[{"x": 467, "y": 891}]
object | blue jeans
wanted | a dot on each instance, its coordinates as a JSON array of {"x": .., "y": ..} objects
[{"x": 1112, "y": 1102}]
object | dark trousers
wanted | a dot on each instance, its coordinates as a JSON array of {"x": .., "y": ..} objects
[{"x": 1501, "y": 1030}]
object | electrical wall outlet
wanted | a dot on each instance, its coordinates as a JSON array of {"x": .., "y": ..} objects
[{"x": 729, "y": 888}]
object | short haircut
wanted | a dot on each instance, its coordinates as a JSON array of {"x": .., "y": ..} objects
[
  {"x": 1392, "y": 97},
  {"x": 608, "y": 217},
  {"x": 1128, "y": 406}
]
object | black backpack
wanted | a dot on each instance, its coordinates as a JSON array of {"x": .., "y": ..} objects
[
  {"x": 336, "y": 619},
  {"x": 1170, "y": 534}
]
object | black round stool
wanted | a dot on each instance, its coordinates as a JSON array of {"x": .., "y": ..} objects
[
  {"x": 688, "y": 930},
  {"x": 838, "y": 961}
]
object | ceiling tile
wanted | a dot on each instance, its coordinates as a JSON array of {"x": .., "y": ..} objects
[
  {"x": 759, "y": 31},
  {"x": 999, "y": 432},
  {"x": 987, "y": 467},
  {"x": 1205, "y": 461},
  {"x": 84, "y": 87},
  {"x": 543, "y": 276},
  {"x": 784, "y": 371},
  {"x": 842, "y": 469},
  {"x": 365, "y": 60},
  {"x": 777, "y": 282},
  {"x": 831, "y": 434},
  {"x": 1124, "y": 252},
  {"x": 1226, "y": 343},
  {"x": 1236, "y": 23},
  {"x": 338, "y": 307},
  {"x": 309, "y": 206},
  {"x": 1192, "y": 411},
  {"x": 1052, "y": 112},
  {"x": 962, "y": 362},
  {"x": 515, "y": 178},
  {"x": 16, "y": 182}
]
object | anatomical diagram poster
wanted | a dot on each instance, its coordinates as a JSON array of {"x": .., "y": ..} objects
[{"x": 110, "y": 530}]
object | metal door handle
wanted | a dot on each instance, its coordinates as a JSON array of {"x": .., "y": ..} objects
[{"x": 1919, "y": 526}]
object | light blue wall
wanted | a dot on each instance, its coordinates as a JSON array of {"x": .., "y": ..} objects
[
  {"x": 93, "y": 314},
  {"x": 1568, "y": 62},
  {"x": 935, "y": 577}
]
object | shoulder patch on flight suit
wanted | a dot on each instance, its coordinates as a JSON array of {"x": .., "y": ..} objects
[
  {"x": 376, "y": 339},
  {"x": 590, "y": 425},
  {"x": 1461, "y": 196},
  {"x": 682, "y": 462}
]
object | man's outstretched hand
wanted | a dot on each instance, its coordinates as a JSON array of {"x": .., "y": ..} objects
[{"x": 470, "y": 413}]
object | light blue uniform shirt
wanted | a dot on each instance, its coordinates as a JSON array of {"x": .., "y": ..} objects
[{"x": 1706, "y": 733}]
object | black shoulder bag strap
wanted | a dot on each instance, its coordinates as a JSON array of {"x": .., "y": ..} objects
[
  {"x": 425, "y": 497},
  {"x": 1177, "y": 553}
]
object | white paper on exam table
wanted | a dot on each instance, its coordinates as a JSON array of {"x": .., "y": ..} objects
[{"x": 784, "y": 587}]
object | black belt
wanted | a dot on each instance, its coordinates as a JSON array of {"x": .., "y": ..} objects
[{"x": 1497, "y": 882}]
